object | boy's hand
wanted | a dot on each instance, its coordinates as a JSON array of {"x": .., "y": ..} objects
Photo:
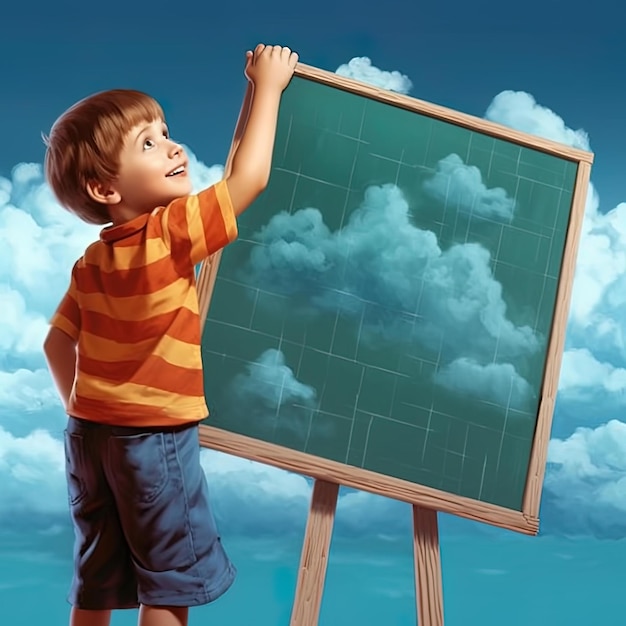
[
  {"x": 270, "y": 66},
  {"x": 269, "y": 69}
]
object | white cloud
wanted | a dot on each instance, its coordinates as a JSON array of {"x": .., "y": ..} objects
[
  {"x": 360, "y": 512},
  {"x": 271, "y": 383},
  {"x": 26, "y": 390},
  {"x": 361, "y": 68},
  {"x": 202, "y": 175},
  {"x": 598, "y": 317},
  {"x": 585, "y": 485},
  {"x": 494, "y": 382},
  {"x": 266, "y": 400},
  {"x": 521, "y": 111},
  {"x": 600, "y": 268},
  {"x": 581, "y": 372},
  {"x": 461, "y": 186},
  {"x": 22, "y": 330},
  {"x": 253, "y": 498},
  {"x": 32, "y": 475},
  {"x": 392, "y": 278},
  {"x": 39, "y": 242}
]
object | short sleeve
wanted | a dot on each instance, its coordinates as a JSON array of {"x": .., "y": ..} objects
[
  {"x": 199, "y": 225},
  {"x": 67, "y": 315}
]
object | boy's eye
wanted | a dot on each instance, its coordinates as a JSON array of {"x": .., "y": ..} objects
[{"x": 149, "y": 143}]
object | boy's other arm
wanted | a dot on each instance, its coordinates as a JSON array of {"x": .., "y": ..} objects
[
  {"x": 270, "y": 69},
  {"x": 60, "y": 351}
]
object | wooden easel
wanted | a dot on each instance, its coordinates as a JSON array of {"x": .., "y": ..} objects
[
  {"x": 316, "y": 547},
  {"x": 427, "y": 559}
]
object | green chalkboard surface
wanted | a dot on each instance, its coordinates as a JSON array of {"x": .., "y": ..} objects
[{"x": 390, "y": 299}]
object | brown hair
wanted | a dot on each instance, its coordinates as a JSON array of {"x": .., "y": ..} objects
[{"x": 85, "y": 143}]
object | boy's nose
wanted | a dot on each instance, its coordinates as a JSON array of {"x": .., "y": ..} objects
[{"x": 175, "y": 149}]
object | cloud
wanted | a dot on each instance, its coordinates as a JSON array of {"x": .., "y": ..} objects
[
  {"x": 255, "y": 499},
  {"x": 598, "y": 317},
  {"x": 495, "y": 382},
  {"x": 362, "y": 513},
  {"x": 461, "y": 186},
  {"x": 591, "y": 388},
  {"x": 393, "y": 279},
  {"x": 202, "y": 175},
  {"x": 26, "y": 390},
  {"x": 266, "y": 400},
  {"x": 39, "y": 243},
  {"x": 271, "y": 384},
  {"x": 581, "y": 373},
  {"x": 21, "y": 330},
  {"x": 521, "y": 111},
  {"x": 585, "y": 485},
  {"x": 361, "y": 68},
  {"x": 32, "y": 474}
]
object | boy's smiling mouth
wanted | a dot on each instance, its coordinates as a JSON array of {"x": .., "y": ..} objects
[{"x": 181, "y": 169}]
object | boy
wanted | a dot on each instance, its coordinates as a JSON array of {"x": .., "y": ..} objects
[{"x": 124, "y": 344}]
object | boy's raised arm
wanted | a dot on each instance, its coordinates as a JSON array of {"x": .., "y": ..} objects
[
  {"x": 269, "y": 69},
  {"x": 242, "y": 121}
]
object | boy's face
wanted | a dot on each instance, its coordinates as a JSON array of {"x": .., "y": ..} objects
[{"x": 148, "y": 162}]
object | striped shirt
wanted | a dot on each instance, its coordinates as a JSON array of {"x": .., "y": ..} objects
[{"x": 132, "y": 308}]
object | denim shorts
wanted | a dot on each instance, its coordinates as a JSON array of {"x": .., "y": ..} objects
[{"x": 144, "y": 530}]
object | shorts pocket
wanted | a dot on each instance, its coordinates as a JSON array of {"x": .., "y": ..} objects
[
  {"x": 152, "y": 501},
  {"x": 75, "y": 467},
  {"x": 140, "y": 466}
]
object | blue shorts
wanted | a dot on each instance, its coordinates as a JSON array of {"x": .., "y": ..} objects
[{"x": 145, "y": 533}]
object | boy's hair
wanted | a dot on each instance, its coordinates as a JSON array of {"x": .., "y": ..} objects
[{"x": 85, "y": 144}]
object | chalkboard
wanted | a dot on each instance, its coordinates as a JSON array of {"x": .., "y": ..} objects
[{"x": 395, "y": 304}]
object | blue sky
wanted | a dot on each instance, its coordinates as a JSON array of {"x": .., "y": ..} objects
[{"x": 566, "y": 72}]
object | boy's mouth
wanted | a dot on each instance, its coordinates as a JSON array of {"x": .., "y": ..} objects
[{"x": 181, "y": 169}]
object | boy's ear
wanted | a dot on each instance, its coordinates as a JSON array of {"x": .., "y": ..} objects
[{"x": 103, "y": 193}]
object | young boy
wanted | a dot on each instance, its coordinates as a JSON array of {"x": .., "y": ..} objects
[{"x": 124, "y": 344}]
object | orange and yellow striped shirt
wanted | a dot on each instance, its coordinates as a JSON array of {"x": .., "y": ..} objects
[{"x": 132, "y": 308}]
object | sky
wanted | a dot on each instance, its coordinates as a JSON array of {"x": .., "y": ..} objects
[{"x": 537, "y": 67}]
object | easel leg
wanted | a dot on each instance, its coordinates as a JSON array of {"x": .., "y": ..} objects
[
  {"x": 314, "y": 559},
  {"x": 428, "y": 585}
]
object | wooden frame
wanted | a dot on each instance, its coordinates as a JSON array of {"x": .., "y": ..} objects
[{"x": 524, "y": 521}]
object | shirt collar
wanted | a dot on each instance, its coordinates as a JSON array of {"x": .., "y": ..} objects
[{"x": 111, "y": 234}]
